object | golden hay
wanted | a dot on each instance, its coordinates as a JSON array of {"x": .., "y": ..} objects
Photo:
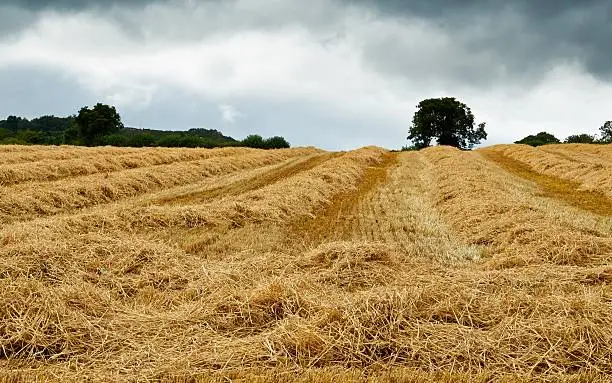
[
  {"x": 590, "y": 175},
  {"x": 425, "y": 266},
  {"x": 46, "y": 198},
  {"x": 50, "y": 170}
]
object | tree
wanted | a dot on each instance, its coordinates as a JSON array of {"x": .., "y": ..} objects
[
  {"x": 581, "y": 139},
  {"x": 93, "y": 124},
  {"x": 606, "y": 132},
  {"x": 253, "y": 141},
  {"x": 29, "y": 136},
  {"x": 448, "y": 121},
  {"x": 542, "y": 138},
  {"x": 276, "y": 142},
  {"x": 15, "y": 124},
  {"x": 71, "y": 134},
  {"x": 4, "y": 133}
]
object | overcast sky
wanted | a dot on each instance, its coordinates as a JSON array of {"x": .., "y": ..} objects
[{"x": 337, "y": 74}]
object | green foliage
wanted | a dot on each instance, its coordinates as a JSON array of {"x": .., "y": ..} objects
[
  {"x": 542, "y": 138},
  {"x": 101, "y": 125},
  {"x": 258, "y": 142},
  {"x": 276, "y": 142},
  {"x": 95, "y": 123},
  {"x": 15, "y": 124},
  {"x": 581, "y": 139},
  {"x": 171, "y": 141},
  {"x": 116, "y": 139},
  {"x": 4, "y": 133},
  {"x": 606, "y": 132},
  {"x": 13, "y": 141},
  {"x": 70, "y": 136},
  {"x": 253, "y": 141},
  {"x": 409, "y": 148},
  {"x": 446, "y": 120},
  {"x": 29, "y": 137}
]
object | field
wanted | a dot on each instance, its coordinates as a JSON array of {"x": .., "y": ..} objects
[{"x": 184, "y": 265}]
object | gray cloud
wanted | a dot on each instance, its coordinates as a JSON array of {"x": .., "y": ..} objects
[
  {"x": 526, "y": 37},
  {"x": 375, "y": 59},
  {"x": 72, "y": 4},
  {"x": 490, "y": 39},
  {"x": 30, "y": 92}
]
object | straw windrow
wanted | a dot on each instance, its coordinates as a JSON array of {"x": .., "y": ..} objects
[{"x": 438, "y": 265}]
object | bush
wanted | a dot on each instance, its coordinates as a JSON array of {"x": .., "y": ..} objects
[
  {"x": 580, "y": 139},
  {"x": 542, "y": 138},
  {"x": 276, "y": 142},
  {"x": 257, "y": 142},
  {"x": 141, "y": 140},
  {"x": 115, "y": 140},
  {"x": 253, "y": 141}
]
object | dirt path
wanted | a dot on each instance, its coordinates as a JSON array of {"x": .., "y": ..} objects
[{"x": 553, "y": 187}]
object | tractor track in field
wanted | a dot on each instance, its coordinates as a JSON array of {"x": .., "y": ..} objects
[{"x": 340, "y": 218}]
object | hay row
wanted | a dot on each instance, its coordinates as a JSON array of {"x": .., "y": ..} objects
[
  {"x": 591, "y": 176},
  {"x": 51, "y": 170},
  {"x": 220, "y": 290},
  {"x": 33, "y": 199},
  {"x": 13, "y": 154},
  {"x": 493, "y": 208},
  {"x": 299, "y": 195},
  {"x": 128, "y": 308},
  {"x": 238, "y": 183},
  {"x": 592, "y": 154},
  {"x": 394, "y": 206}
]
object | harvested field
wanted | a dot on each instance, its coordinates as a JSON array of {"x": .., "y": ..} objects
[{"x": 303, "y": 265}]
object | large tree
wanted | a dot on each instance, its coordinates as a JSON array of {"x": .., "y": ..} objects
[
  {"x": 95, "y": 123},
  {"x": 448, "y": 121},
  {"x": 606, "y": 132}
]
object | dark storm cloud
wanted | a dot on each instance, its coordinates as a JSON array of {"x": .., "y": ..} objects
[
  {"x": 526, "y": 36},
  {"x": 36, "y": 5}
]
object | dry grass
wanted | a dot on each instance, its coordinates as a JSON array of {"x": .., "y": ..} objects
[
  {"x": 14, "y": 154},
  {"x": 591, "y": 175},
  {"x": 47, "y": 198},
  {"x": 104, "y": 162},
  {"x": 363, "y": 266}
]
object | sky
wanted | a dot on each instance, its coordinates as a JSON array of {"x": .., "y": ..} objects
[{"x": 336, "y": 74}]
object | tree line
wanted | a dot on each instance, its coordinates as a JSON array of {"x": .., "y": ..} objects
[
  {"x": 448, "y": 121},
  {"x": 545, "y": 138},
  {"x": 102, "y": 125}
]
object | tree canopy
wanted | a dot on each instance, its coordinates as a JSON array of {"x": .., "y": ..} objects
[
  {"x": 446, "y": 120},
  {"x": 581, "y": 139},
  {"x": 95, "y": 123},
  {"x": 542, "y": 138},
  {"x": 258, "y": 142},
  {"x": 606, "y": 132}
]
